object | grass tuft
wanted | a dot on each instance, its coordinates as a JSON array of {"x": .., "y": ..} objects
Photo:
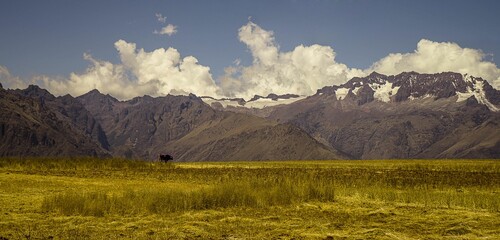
[{"x": 252, "y": 193}]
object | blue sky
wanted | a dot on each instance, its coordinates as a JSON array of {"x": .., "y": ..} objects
[{"x": 50, "y": 37}]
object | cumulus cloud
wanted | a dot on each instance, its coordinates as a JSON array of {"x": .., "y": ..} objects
[
  {"x": 155, "y": 73},
  {"x": 301, "y": 71},
  {"x": 102, "y": 75},
  {"x": 169, "y": 29},
  {"x": 305, "y": 69},
  {"x": 436, "y": 57},
  {"x": 10, "y": 81},
  {"x": 166, "y": 66}
]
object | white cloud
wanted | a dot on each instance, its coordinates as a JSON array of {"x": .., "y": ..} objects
[
  {"x": 168, "y": 30},
  {"x": 436, "y": 57},
  {"x": 155, "y": 73},
  {"x": 308, "y": 68},
  {"x": 161, "y": 18},
  {"x": 167, "y": 67},
  {"x": 260, "y": 42},
  {"x": 301, "y": 71},
  {"x": 101, "y": 75},
  {"x": 9, "y": 81}
]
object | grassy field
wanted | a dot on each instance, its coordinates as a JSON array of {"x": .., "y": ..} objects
[{"x": 393, "y": 199}]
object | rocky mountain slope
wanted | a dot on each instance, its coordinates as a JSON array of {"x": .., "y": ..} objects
[
  {"x": 140, "y": 127},
  {"x": 243, "y": 137},
  {"x": 409, "y": 115},
  {"x": 35, "y": 123},
  {"x": 190, "y": 130}
]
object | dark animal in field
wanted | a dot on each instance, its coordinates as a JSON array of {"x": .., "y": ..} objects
[{"x": 165, "y": 158}]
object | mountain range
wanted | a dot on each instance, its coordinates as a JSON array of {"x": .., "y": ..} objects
[{"x": 404, "y": 116}]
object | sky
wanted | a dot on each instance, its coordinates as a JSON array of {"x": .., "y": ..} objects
[{"x": 239, "y": 48}]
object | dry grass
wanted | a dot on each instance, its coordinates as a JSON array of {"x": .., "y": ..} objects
[
  {"x": 251, "y": 194},
  {"x": 116, "y": 198}
]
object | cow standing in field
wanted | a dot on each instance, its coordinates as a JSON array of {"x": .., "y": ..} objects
[{"x": 165, "y": 158}]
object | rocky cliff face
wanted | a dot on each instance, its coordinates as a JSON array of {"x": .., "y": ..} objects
[
  {"x": 35, "y": 123},
  {"x": 68, "y": 108}
]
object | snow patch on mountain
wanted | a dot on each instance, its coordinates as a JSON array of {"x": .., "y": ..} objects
[
  {"x": 266, "y": 102},
  {"x": 464, "y": 96},
  {"x": 258, "y": 103},
  {"x": 468, "y": 78},
  {"x": 356, "y": 90},
  {"x": 341, "y": 93},
  {"x": 411, "y": 97},
  {"x": 383, "y": 92},
  {"x": 224, "y": 102},
  {"x": 478, "y": 92}
]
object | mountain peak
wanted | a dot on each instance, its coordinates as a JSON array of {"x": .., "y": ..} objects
[
  {"x": 95, "y": 95},
  {"x": 33, "y": 88},
  {"x": 35, "y": 91},
  {"x": 94, "y": 91},
  {"x": 376, "y": 74},
  {"x": 255, "y": 97},
  {"x": 376, "y": 77}
]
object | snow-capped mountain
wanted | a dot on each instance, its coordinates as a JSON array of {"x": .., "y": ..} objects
[
  {"x": 412, "y": 85},
  {"x": 378, "y": 87},
  {"x": 409, "y": 115}
]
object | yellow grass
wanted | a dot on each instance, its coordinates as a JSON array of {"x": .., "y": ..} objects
[{"x": 116, "y": 198}]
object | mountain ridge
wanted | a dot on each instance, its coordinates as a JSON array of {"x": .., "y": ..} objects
[
  {"x": 412, "y": 85},
  {"x": 145, "y": 126},
  {"x": 409, "y": 115}
]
